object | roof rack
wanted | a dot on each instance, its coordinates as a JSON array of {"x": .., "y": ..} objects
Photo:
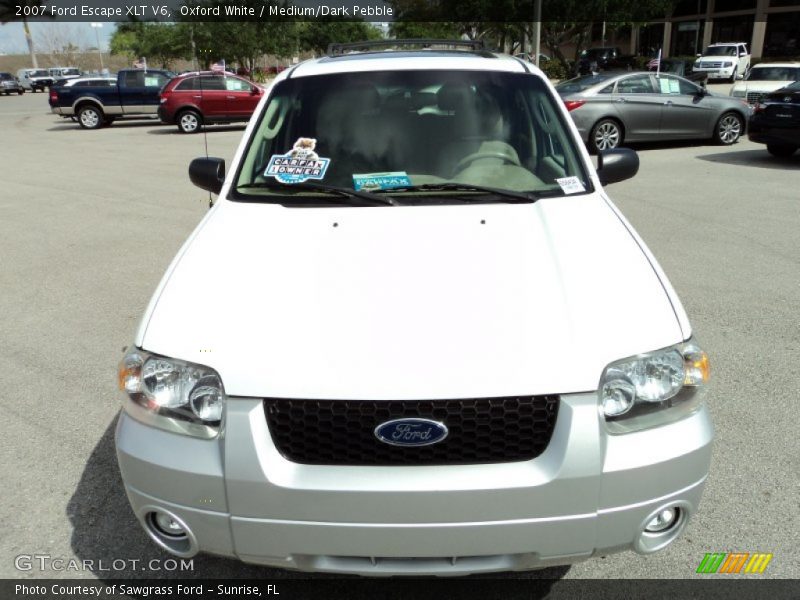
[{"x": 367, "y": 46}]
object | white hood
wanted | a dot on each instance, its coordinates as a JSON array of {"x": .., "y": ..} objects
[{"x": 410, "y": 302}]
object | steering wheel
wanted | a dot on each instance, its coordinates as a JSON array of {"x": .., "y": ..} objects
[{"x": 471, "y": 158}]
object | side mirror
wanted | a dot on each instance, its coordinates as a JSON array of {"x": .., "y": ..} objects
[
  {"x": 698, "y": 55},
  {"x": 616, "y": 165},
  {"x": 255, "y": 91},
  {"x": 208, "y": 173}
]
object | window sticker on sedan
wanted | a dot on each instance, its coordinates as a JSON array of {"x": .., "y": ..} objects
[
  {"x": 381, "y": 181},
  {"x": 300, "y": 164},
  {"x": 669, "y": 86},
  {"x": 570, "y": 185}
]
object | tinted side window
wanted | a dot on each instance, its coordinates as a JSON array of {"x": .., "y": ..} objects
[
  {"x": 134, "y": 79},
  {"x": 187, "y": 84},
  {"x": 210, "y": 83},
  {"x": 637, "y": 84}
]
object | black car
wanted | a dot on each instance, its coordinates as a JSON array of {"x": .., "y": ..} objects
[
  {"x": 10, "y": 84},
  {"x": 682, "y": 68},
  {"x": 776, "y": 121}
]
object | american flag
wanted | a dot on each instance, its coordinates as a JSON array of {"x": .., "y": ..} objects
[
  {"x": 656, "y": 62},
  {"x": 218, "y": 67}
]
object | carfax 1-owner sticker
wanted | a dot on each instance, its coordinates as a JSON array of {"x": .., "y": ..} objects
[{"x": 300, "y": 164}]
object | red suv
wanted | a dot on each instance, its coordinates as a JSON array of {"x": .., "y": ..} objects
[{"x": 194, "y": 99}]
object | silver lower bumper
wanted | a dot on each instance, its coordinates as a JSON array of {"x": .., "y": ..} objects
[{"x": 589, "y": 494}]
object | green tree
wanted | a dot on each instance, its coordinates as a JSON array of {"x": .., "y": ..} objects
[
  {"x": 160, "y": 43},
  {"x": 8, "y": 13},
  {"x": 317, "y": 35},
  {"x": 506, "y": 23}
]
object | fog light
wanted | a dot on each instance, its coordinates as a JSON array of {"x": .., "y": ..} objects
[
  {"x": 664, "y": 520},
  {"x": 168, "y": 526}
]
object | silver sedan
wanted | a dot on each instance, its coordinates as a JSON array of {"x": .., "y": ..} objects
[{"x": 610, "y": 109}]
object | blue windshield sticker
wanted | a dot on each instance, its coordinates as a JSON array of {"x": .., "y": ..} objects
[
  {"x": 381, "y": 181},
  {"x": 300, "y": 164}
]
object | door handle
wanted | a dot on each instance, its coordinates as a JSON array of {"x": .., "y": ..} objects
[
  {"x": 668, "y": 103},
  {"x": 620, "y": 100},
  {"x": 231, "y": 97},
  {"x": 200, "y": 96}
]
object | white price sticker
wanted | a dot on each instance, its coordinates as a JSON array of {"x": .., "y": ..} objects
[{"x": 571, "y": 185}]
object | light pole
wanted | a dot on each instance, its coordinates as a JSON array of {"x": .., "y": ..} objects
[{"x": 97, "y": 26}]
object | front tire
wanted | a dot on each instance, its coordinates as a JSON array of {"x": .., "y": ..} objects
[
  {"x": 189, "y": 121},
  {"x": 20, "y": 92},
  {"x": 728, "y": 129},
  {"x": 780, "y": 150},
  {"x": 733, "y": 75},
  {"x": 90, "y": 117},
  {"x": 605, "y": 135}
]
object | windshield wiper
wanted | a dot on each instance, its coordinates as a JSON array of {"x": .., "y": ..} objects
[
  {"x": 365, "y": 198},
  {"x": 507, "y": 195}
]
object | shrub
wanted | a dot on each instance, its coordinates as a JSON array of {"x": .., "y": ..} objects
[{"x": 554, "y": 69}]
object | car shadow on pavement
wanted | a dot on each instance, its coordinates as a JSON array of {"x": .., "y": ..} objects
[
  {"x": 70, "y": 126},
  {"x": 108, "y": 539},
  {"x": 754, "y": 158},
  {"x": 172, "y": 130}
]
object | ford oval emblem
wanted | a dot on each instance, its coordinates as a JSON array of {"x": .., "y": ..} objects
[{"x": 411, "y": 432}]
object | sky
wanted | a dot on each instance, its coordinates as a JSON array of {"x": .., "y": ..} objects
[{"x": 12, "y": 35}]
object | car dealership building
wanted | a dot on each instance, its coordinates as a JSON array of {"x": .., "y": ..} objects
[{"x": 771, "y": 28}]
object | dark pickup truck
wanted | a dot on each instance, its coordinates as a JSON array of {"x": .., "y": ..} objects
[
  {"x": 135, "y": 94},
  {"x": 604, "y": 58}
]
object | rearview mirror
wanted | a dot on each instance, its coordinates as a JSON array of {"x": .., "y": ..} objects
[
  {"x": 208, "y": 173},
  {"x": 616, "y": 165}
]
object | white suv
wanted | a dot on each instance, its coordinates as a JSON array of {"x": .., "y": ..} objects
[
  {"x": 413, "y": 336},
  {"x": 724, "y": 61}
]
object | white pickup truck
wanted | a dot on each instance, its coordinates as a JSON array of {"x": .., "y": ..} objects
[{"x": 729, "y": 61}]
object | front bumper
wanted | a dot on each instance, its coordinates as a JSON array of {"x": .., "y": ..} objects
[
  {"x": 589, "y": 493},
  {"x": 716, "y": 73}
]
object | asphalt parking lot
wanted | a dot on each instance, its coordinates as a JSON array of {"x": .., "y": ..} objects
[{"x": 91, "y": 219}]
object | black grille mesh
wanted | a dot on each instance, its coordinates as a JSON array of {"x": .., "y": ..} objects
[{"x": 481, "y": 430}]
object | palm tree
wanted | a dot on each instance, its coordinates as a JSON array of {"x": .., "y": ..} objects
[{"x": 8, "y": 13}]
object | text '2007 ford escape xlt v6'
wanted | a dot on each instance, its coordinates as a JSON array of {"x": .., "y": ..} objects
[{"x": 413, "y": 336}]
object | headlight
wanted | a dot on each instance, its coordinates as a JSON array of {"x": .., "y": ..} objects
[
  {"x": 738, "y": 93},
  {"x": 728, "y": 65},
  {"x": 172, "y": 394},
  {"x": 654, "y": 388}
]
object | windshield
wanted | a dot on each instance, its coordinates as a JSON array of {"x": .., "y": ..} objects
[
  {"x": 70, "y": 72},
  {"x": 579, "y": 84},
  {"x": 39, "y": 73},
  {"x": 5, "y": 76},
  {"x": 399, "y": 129},
  {"x": 721, "y": 51},
  {"x": 774, "y": 74}
]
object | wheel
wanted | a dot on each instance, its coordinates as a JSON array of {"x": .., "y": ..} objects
[
  {"x": 605, "y": 135},
  {"x": 20, "y": 92},
  {"x": 781, "y": 150},
  {"x": 90, "y": 117},
  {"x": 468, "y": 160},
  {"x": 728, "y": 129},
  {"x": 733, "y": 75},
  {"x": 189, "y": 122}
]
